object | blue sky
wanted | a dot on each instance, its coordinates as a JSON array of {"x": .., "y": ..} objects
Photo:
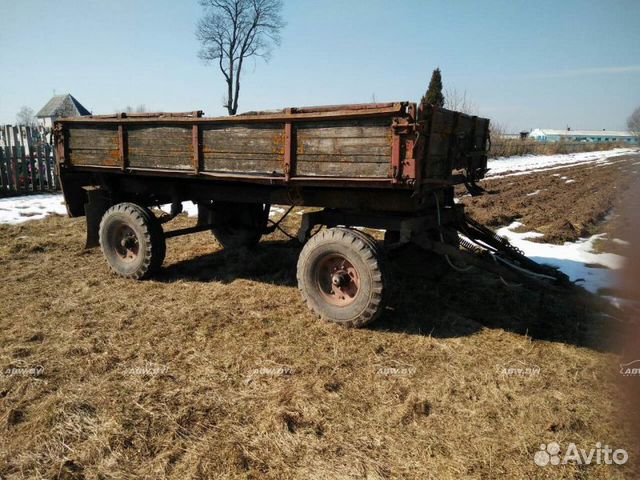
[{"x": 524, "y": 64}]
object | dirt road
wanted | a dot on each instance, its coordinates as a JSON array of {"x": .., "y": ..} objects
[{"x": 216, "y": 369}]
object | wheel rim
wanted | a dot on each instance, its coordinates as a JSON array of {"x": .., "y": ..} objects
[
  {"x": 337, "y": 280},
  {"x": 125, "y": 242}
]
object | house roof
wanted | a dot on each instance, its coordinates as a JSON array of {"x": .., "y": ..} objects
[
  {"x": 63, "y": 106},
  {"x": 581, "y": 133}
]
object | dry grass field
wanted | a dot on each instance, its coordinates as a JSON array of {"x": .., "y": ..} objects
[{"x": 216, "y": 369}]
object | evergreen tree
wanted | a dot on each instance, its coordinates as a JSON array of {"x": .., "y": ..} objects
[{"x": 434, "y": 94}]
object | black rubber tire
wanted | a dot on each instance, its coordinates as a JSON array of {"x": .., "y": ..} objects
[
  {"x": 363, "y": 254},
  {"x": 238, "y": 225},
  {"x": 148, "y": 234}
]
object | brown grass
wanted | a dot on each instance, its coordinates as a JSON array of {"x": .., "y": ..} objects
[
  {"x": 216, "y": 369},
  {"x": 509, "y": 147}
]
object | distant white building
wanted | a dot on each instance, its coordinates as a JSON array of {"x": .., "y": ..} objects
[
  {"x": 594, "y": 136},
  {"x": 60, "y": 106}
]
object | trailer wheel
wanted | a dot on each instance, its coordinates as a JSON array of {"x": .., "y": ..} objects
[
  {"x": 341, "y": 277},
  {"x": 238, "y": 225},
  {"x": 132, "y": 240}
]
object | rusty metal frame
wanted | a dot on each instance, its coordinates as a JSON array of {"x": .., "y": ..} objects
[
  {"x": 122, "y": 143},
  {"x": 289, "y": 157},
  {"x": 196, "y": 144},
  {"x": 403, "y": 162}
]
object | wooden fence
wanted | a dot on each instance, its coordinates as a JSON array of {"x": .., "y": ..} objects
[{"x": 27, "y": 161}]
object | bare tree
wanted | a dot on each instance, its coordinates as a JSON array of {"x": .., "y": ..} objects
[
  {"x": 459, "y": 102},
  {"x": 633, "y": 122},
  {"x": 26, "y": 117},
  {"x": 233, "y": 30},
  {"x": 139, "y": 109}
]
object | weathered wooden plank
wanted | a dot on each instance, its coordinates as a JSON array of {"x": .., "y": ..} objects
[
  {"x": 50, "y": 172},
  {"x": 245, "y": 165},
  {"x": 4, "y": 178},
  {"x": 174, "y": 151},
  {"x": 39, "y": 166},
  {"x": 243, "y": 148},
  {"x": 211, "y": 158},
  {"x": 244, "y": 138},
  {"x": 45, "y": 168},
  {"x": 339, "y": 159},
  {"x": 342, "y": 169},
  {"x": 165, "y": 147},
  {"x": 32, "y": 162},
  {"x": 104, "y": 142},
  {"x": 92, "y": 131},
  {"x": 11, "y": 170},
  {"x": 25, "y": 176},
  {"x": 15, "y": 170},
  {"x": 105, "y": 158},
  {"x": 273, "y": 144},
  {"x": 362, "y": 128},
  {"x": 250, "y": 129},
  {"x": 93, "y": 137},
  {"x": 161, "y": 161},
  {"x": 142, "y": 136},
  {"x": 54, "y": 167},
  {"x": 344, "y": 146}
]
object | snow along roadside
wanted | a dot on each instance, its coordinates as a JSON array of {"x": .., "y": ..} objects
[
  {"x": 575, "y": 259},
  {"x": 521, "y": 165}
]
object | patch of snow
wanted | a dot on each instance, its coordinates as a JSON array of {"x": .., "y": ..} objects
[
  {"x": 15, "y": 210},
  {"x": 276, "y": 211},
  {"x": 188, "y": 207},
  {"x": 620, "y": 242},
  {"x": 498, "y": 167},
  {"x": 191, "y": 209},
  {"x": 533, "y": 193},
  {"x": 570, "y": 181},
  {"x": 572, "y": 258}
]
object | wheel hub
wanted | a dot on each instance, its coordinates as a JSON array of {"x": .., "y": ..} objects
[
  {"x": 126, "y": 243},
  {"x": 338, "y": 280}
]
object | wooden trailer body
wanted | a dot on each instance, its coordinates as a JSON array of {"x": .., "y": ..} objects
[{"x": 312, "y": 153}]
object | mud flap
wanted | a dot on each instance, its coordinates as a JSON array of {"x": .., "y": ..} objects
[{"x": 98, "y": 203}]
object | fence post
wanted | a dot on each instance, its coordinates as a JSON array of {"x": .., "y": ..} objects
[
  {"x": 4, "y": 188},
  {"x": 54, "y": 168},
  {"x": 47, "y": 156},
  {"x": 14, "y": 169},
  {"x": 39, "y": 165}
]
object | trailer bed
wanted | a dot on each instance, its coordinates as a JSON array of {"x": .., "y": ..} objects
[{"x": 383, "y": 145}]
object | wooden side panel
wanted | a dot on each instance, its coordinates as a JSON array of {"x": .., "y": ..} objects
[
  {"x": 93, "y": 145},
  {"x": 344, "y": 148},
  {"x": 163, "y": 147},
  {"x": 243, "y": 148},
  {"x": 453, "y": 135}
]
